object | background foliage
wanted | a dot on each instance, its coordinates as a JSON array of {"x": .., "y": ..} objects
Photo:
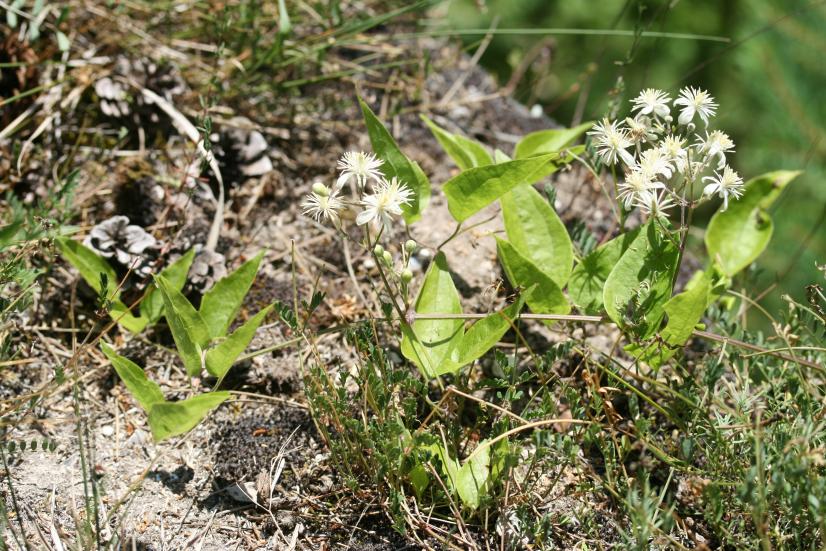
[{"x": 768, "y": 78}]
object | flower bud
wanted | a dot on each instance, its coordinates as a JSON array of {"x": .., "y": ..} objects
[
  {"x": 378, "y": 250},
  {"x": 321, "y": 190},
  {"x": 410, "y": 246},
  {"x": 406, "y": 276},
  {"x": 388, "y": 258}
]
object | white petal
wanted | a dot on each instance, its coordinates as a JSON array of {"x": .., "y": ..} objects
[
  {"x": 686, "y": 115},
  {"x": 627, "y": 158},
  {"x": 345, "y": 176},
  {"x": 365, "y": 216}
]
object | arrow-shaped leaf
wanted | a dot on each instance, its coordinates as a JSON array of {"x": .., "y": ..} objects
[
  {"x": 146, "y": 392},
  {"x": 188, "y": 328},
  {"x": 168, "y": 419},
  {"x": 175, "y": 273},
  {"x": 221, "y": 304},
  {"x": 221, "y": 357}
]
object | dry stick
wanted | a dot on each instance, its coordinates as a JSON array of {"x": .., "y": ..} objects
[
  {"x": 535, "y": 424},
  {"x": 190, "y": 131},
  {"x": 453, "y": 390},
  {"x": 474, "y": 61}
]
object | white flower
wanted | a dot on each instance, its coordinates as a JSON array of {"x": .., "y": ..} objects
[
  {"x": 611, "y": 142},
  {"x": 673, "y": 147},
  {"x": 359, "y": 165},
  {"x": 323, "y": 204},
  {"x": 652, "y": 102},
  {"x": 636, "y": 184},
  {"x": 695, "y": 101},
  {"x": 385, "y": 202},
  {"x": 639, "y": 130},
  {"x": 716, "y": 144},
  {"x": 653, "y": 162},
  {"x": 655, "y": 204},
  {"x": 728, "y": 183}
]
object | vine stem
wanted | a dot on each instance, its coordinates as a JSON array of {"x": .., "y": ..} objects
[{"x": 599, "y": 319}]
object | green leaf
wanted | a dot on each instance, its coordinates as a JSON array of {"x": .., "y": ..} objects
[
  {"x": 168, "y": 419},
  {"x": 87, "y": 262},
  {"x": 146, "y": 392},
  {"x": 188, "y": 327},
  {"x": 588, "y": 278},
  {"x": 396, "y": 164},
  {"x": 175, "y": 273},
  {"x": 640, "y": 283},
  {"x": 63, "y": 42},
  {"x": 11, "y": 14},
  {"x": 8, "y": 232},
  {"x": 500, "y": 156},
  {"x": 220, "y": 358},
  {"x": 119, "y": 312},
  {"x": 427, "y": 343},
  {"x": 545, "y": 297},
  {"x": 471, "y": 479},
  {"x": 90, "y": 266},
  {"x": 482, "y": 336},
  {"x": 221, "y": 304},
  {"x": 466, "y": 153},
  {"x": 737, "y": 236},
  {"x": 549, "y": 141},
  {"x": 684, "y": 311},
  {"x": 535, "y": 230},
  {"x": 476, "y": 188}
]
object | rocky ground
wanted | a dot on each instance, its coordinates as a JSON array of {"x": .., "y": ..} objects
[{"x": 255, "y": 475}]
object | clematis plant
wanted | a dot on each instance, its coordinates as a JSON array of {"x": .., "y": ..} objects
[{"x": 664, "y": 161}]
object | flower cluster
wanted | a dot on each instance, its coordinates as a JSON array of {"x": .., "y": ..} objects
[
  {"x": 663, "y": 159},
  {"x": 379, "y": 199}
]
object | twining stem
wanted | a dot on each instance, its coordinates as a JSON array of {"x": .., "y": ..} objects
[{"x": 599, "y": 319}]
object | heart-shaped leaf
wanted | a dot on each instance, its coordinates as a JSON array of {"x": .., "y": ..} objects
[
  {"x": 549, "y": 141},
  {"x": 737, "y": 236},
  {"x": 545, "y": 297},
  {"x": 476, "y": 188},
  {"x": 428, "y": 342},
  {"x": 535, "y": 230},
  {"x": 640, "y": 284}
]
